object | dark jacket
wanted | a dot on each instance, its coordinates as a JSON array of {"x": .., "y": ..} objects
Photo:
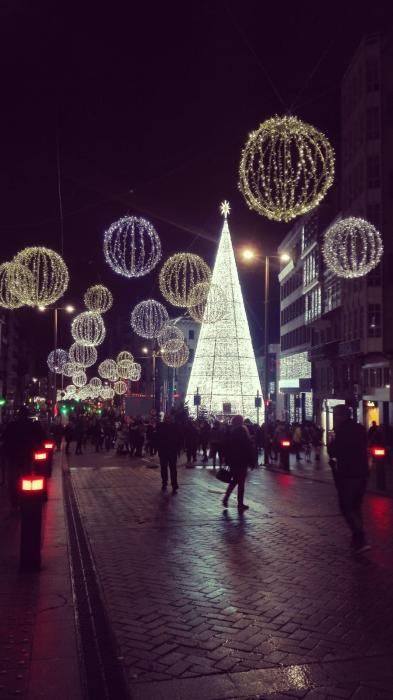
[
  {"x": 167, "y": 438},
  {"x": 238, "y": 448},
  {"x": 349, "y": 449}
]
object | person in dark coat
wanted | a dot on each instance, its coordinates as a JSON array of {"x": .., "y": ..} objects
[
  {"x": 68, "y": 436},
  {"x": 240, "y": 455},
  {"x": 20, "y": 438},
  {"x": 191, "y": 439},
  {"x": 349, "y": 461},
  {"x": 167, "y": 438}
]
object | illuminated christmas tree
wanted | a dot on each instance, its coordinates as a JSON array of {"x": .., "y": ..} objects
[{"x": 224, "y": 372}]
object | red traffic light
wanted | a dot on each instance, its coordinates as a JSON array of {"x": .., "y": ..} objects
[
  {"x": 32, "y": 484},
  {"x": 378, "y": 452}
]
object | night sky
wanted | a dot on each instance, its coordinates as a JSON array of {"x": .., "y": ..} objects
[{"x": 149, "y": 107}]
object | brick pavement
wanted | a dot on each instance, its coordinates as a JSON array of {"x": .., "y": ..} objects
[{"x": 206, "y": 603}]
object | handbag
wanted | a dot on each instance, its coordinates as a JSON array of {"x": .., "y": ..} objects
[{"x": 224, "y": 474}]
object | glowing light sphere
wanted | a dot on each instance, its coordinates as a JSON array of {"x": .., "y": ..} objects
[
  {"x": 124, "y": 355},
  {"x": 85, "y": 393},
  {"x": 83, "y": 355},
  {"x": 95, "y": 382},
  {"x": 179, "y": 275},
  {"x": 352, "y": 247},
  {"x": 88, "y": 329},
  {"x": 79, "y": 378},
  {"x": 208, "y": 303},
  {"x": 125, "y": 371},
  {"x": 135, "y": 372},
  {"x": 71, "y": 368},
  {"x": 98, "y": 298},
  {"x": 148, "y": 317},
  {"x": 108, "y": 370},
  {"x": 8, "y": 271},
  {"x": 49, "y": 276},
  {"x": 176, "y": 358},
  {"x": 172, "y": 333},
  {"x": 286, "y": 168},
  {"x": 107, "y": 393},
  {"x": 70, "y": 389},
  {"x": 120, "y": 387},
  {"x": 132, "y": 246},
  {"x": 56, "y": 360}
]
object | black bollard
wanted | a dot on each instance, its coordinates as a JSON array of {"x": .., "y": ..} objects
[
  {"x": 379, "y": 454},
  {"x": 285, "y": 448},
  {"x": 32, "y": 490}
]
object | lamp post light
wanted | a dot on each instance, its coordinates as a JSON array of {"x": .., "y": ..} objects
[
  {"x": 154, "y": 355},
  {"x": 68, "y": 308},
  {"x": 249, "y": 255}
]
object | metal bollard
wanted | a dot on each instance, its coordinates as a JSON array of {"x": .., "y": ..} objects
[
  {"x": 32, "y": 490},
  {"x": 285, "y": 447},
  {"x": 379, "y": 454}
]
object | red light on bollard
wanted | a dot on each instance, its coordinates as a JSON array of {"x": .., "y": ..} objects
[
  {"x": 49, "y": 445},
  {"x": 40, "y": 456},
  {"x": 32, "y": 484},
  {"x": 285, "y": 443},
  {"x": 378, "y": 452}
]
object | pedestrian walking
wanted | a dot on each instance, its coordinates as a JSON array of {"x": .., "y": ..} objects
[
  {"x": 349, "y": 461},
  {"x": 68, "y": 436},
  {"x": 167, "y": 447},
  {"x": 79, "y": 434},
  {"x": 191, "y": 439},
  {"x": 239, "y": 455},
  {"x": 216, "y": 443}
]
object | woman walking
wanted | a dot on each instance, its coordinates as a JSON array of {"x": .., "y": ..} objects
[{"x": 239, "y": 452}]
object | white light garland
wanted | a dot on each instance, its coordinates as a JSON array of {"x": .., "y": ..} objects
[
  {"x": 83, "y": 355},
  {"x": 70, "y": 389},
  {"x": 71, "y": 368},
  {"x": 208, "y": 303},
  {"x": 124, "y": 355},
  {"x": 95, "y": 382},
  {"x": 56, "y": 360},
  {"x": 107, "y": 393},
  {"x": 108, "y": 370},
  {"x": 98, "y": 298},
  {"x": 79, "y": 378},
  {"x": 172, "y": 333},
  {"x": 120, "y": 387},
  {"x": 135, "y": 372},
  {"x": 132, "y": 247},
  {"x": 352, "y": 247},
  {"x": 179, "y": 275},
  {"x": 49, "y": 276},
  {"x": 286, "y": 168},
  {"x": 148, "y": 317},
  {"x": 88, "y": 329},
  {"x": 8, "y": 270},
  {"x": 85, "y": 392},
  {"x": 125, "y": 371},
  {"x": 176, "y": 358}
]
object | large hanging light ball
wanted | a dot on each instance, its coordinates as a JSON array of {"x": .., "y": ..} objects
[
  {"x": 85, "y": 392},
  {"x": 148, "y": 317},
  {"x": 120, "y": 387},
  {"x": 352, "y": 247},
  {"x": 83, "y": 355},
  {"x": 179, "y": 275},
  {"x": 172, "y": 333},
  {"x": 176, "y": 358},
  {"x": 56, "y": 360},
  {"x": 124, "y": 355},
  {"x": 208, "y": 303},
  {"x": 135, "y": 372},
  {"x": 88, "y": 329},
  {"x": 70, "y": 389},
  {"x": 95, "y": 382},
  {"x": 108, "y": 370},
  {"x": 107, "y": 393},
  {"x": 125, "y": 371},
  {"x": 286, "y": 168},
  {"x": 98, "y": 298},
  {"x": 79, "y": 378},
  {"x": 71, "y": 368},
  {"x": 8, "y": 272},
  {"x": 132, "y": 246},
  {"x": 49, "y": 276}
]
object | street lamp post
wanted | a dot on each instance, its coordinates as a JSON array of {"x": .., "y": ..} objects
[
  {"x": 156, "y": 398},
  {"x": 69, "y": 309},
  {"x": 250, "y": 255}
]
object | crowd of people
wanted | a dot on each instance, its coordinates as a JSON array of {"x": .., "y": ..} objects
[{"x": 233, "y": 446}]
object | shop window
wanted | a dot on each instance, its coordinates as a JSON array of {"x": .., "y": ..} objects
[
  {"x": 374, "y": 320},
  {"x": 191, "y": 334},
  {"x": 386, "y": 376}
]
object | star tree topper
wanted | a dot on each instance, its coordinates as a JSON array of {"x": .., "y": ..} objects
[{"x": 225, "y": 208}]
